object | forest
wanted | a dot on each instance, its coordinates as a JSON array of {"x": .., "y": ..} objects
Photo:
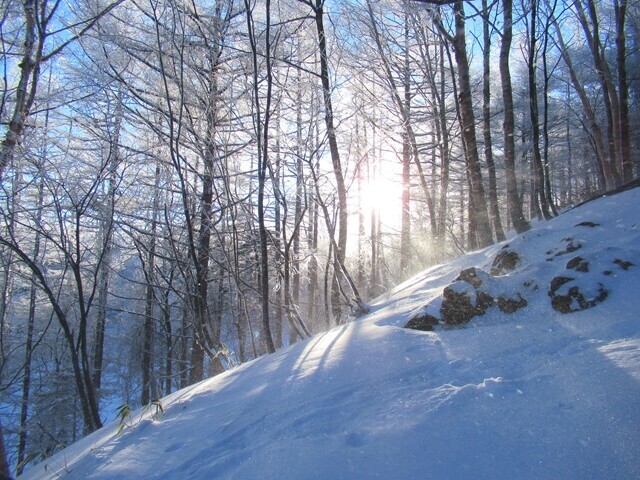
[{"x": 187, "y": 185}]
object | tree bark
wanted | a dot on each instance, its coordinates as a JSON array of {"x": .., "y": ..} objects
[
  {"x": 539, "y": 181},
  {"x": 5, "y": 473},
  {"x": 494, "y": 211},
  {"x": 341, "y": 241},
  {"x": 36, "y": 31},
  {"x": 410, "y": 144},
  {"x": 262, "y": 129},
  {"x": 405, "y": 228},
  {"x": 476, "y": 194},
  {"x": 620, "y": 7},
  {"x": 602, "y": 153},
  {"x": 514, "y": 204},
  {"x": 609, "y": 94}
]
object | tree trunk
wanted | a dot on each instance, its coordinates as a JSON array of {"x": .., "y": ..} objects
[
  {"x": 28, "y": 349},
  {"x": 341, "y": 241},
  {"x": 494, "y": 211},
  {"x": 300, "y": 203},
  {"x": 539, "y": 181},
  {"x": 623, "y": 89},
  {"x": 405, "y": 228},
  {"x": 106, "y": 230},
  {"x": 5, "y": 473},
  {"x": 545, "y": 130},
  {"x": 514, "y": 204},
  {"x": 262, "y": 129},
  {"x": 602, "y": 153},
  {"x": 147, "y": 334},
  {"x": 25, "y": 92},
  {"x": 410, "y": 144},
  {"x": 477, "y": 198},
  {"x": 609, "y": 95}
]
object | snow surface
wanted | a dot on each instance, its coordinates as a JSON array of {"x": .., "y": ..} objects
[{"x": 532, "y": 395}]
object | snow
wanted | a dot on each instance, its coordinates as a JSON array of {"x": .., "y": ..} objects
[{"x": 532, "y": 395}]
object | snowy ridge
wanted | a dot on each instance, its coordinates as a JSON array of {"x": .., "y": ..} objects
[{"x": 535, "y": 394}]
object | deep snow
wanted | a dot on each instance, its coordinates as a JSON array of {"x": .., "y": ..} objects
[{"x": 532, "y": 395}]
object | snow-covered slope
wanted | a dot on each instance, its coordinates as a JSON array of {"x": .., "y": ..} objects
[{"x": 535, "y": 394}]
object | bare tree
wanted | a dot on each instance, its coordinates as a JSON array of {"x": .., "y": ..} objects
[
  {"x": 494, "y": 211},
  {"x": 262, "y": 119},
  {"x": 514, "y": 204},
  {"x": 317, "y": 7},
  {"x": 480, "y": 224},
  {"x": 42, "y": 41}
]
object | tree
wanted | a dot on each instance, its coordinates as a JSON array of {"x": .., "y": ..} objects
[
  {"x": 401, "y": 96},
  {"x": 262, "y": 119},
  {"x": 620, "y": 7},
  {"x": 541, "y": 204},
  {"x": 5, "y": 473},
  {"x": 317, "y": 7},
  {"x": 606, "y": 168},
  {"x": 42, "y": 41},
  {"x": 591, "y": 27},
  {"x": 514, "y": 205},
  {"x": 480, "y": 225},
  {"x": 494, "y": 211}
]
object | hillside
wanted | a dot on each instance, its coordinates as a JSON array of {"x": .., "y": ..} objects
[{"x": 532, "y": 394}]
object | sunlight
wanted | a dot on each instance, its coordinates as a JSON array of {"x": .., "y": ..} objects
[{"x": 383, "y": 195}]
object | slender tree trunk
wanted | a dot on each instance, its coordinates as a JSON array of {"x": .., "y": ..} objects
[
  {"x": 147, "y": 335},
  {"x": 27, "y": 85},
  {"x": 569, "y": 149},
  {"x": 281, "y": 260},
  {"x": 312, "y": 235},
  {"x": 341, "y": 241},
  {"x": 300, "y": 195},
  {"x": 106, "y": 227},
  {"x": 405, "y": 229},
  {"x": 623, "y": 89},
  {"x": 401, "y": 99},
  {"x": 494, "y": 211},
  {"x": 26, "y": 378},
  {"x": 609, "y": 95},
  {"x": 602, "y": 153},
  {"x": 185, "y": 329},
  {"x": 539, "y": 180},
  {"x": 262, "y": 128},
  {"x": 5, "y": 473},
  {"x": 514, "y": 204},
  {"x": 168, "y": 335},
  {"x": 482, "y": 230},
  {"x": 545, "y": 130}
]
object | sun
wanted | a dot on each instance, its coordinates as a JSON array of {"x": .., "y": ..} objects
[{"x": 382, "y": 196}]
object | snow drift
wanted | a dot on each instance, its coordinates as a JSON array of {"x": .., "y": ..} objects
[{"x": 535, "y": 393}]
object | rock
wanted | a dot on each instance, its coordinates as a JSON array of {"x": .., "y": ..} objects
[
  {"x": 578, "y": 264},
  {"x": 588, "y": 224},
  {"x": 567, "y": 299},
  {"x": 472, "y": 276},
  {"x": 457, "y": 307},
  {"x": 511, "y": 304},
  {"x": 623, "y": 264},
  {"x": 461, "y": 301},
  {"x": 424, "y": 322},
  {"x": 557, "y": 282},
  {"x": 506, "y": 261},
  {"x": 570, "y": 248}
]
